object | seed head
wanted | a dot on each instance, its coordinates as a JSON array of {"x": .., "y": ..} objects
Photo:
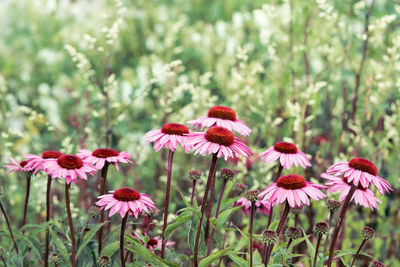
[
  {"x": 376, "y": 263},
  {"x": 195, "y": 174},
  {"x": 252, "y": 195},
  {"x": 270, "y": 237},
  {"x": 104, "y": 261},
  {"x": 333, "y": 205},
  {"x": 368, "y": 233},
  {"x": 321, "y": 228},
  {"x": 55, "y": 258},
  {"x": 293, "y": 233},
  {"x": 226, "y": 174}
]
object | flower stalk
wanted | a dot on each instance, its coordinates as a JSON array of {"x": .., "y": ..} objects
[
  {"x": 48, "y": 194},
  {"x": 70, "y": 222},
  {"x": 9, "y": 227},
  {"x": 28, "y": 189},
  {"x": 104, "y": 172},
  {"x": 121, "y": 239}
]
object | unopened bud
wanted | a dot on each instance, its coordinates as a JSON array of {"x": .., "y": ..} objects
[
  {"x": 297, "y": 210},
  {"x": 55, "y": 258},
  {"x": 270, "y": 237},
  {"x": 252, "y": 195},
  {"x": 240, "y": 188},
  {"x": 376, "y": 263},
  {"x": 321, "y": 228},
  {"x": 226, "y": 174},
  {"x": 293, "y": 233},
  {"x": 368, "y": 233},
  {"x": 332, "y": 205},
  {"x": 195, "y": 174},
  {"x": 104, "y": 261}
]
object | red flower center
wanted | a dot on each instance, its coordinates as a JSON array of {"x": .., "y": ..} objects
[
  {"x": 360, "y": 187},
  {"x": 222, "y": 113},
  {"x": 70, "y": 162},
  {"x": 152, "y": 242},
  {"x": 105, "y": 153},
  {"x": 51, "y": 154},
  {"x": 175, "y": 128},
  {"x": 126, "y": 194},
  {"x": 285, "y": 147},
  {"x": 291, "y": 182},
  {"x": 23, "y": 163},
  {"x": 220, "y": 135},
  {"x": 363, "y": 165}
]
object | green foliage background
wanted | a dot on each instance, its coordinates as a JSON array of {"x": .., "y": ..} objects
[{"x": 288, "y": 68}]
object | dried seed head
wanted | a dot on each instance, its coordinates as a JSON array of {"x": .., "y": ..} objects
[
  {"x": 195, "y": 174},
  {"x": 297, "y": 210},
  {"x": 104, "y": 261},
  {"x": 270, "y": 237},
  {"x": 55, "y": 258},
  {"x": 321, "y": 228},
  {"x": 252, "y": 195},
  {"x": 376, "y": 263},
  {"x": 293, "y": 233},
  {"x": 226, "y": 174},
  {"x": 368, "y": 233},
  {"x": 240, "y": 187},
  {"x": 333, "y": 205}
]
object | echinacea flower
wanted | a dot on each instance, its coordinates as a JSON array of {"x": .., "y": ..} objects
[
  {"x": 293, "y": 189},
  {"x": 155, "y": 243},
  {"x": 169, "y": 136},
  {"x": 68, "y": 167},
  {"x": 102, "y": 155},
  {"x": 218, "y": 140},
  {"x": 288, "y": 155},
  {"x": 362, "y": 196},
  {"x": 37, "y": 162},
  {"x": 16, "y": 166},
  {"x": 262, "y": 205},
  {"x": 223, "y": 117},
  {"x": 360, "y": 170},
  {"x": 126, "y": 200}
]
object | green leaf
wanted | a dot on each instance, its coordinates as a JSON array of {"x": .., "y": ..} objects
[
  {"x": 224, "y": 216},
  {"x": 144, "y": 253},
  {"x": 213, "y": 257},
  {"x": 110, "y": 249},
  {"x": 26, "y": 226},
  {"x": 184, "y": 217},
  {"x": 60, "y": 246},
  {"x": 238, "y": 260},
  {"x": 33, "y": 244},
  {"x": 88, "y": 237}
]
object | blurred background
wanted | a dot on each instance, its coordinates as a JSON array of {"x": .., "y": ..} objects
[{"x": 87, "y": 74}]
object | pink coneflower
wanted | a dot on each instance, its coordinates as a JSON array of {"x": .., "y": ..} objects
[
  {"x": 169, "y": 136},
  {"x": 155, "y": 243},
  {"x": 223, "y": 117},
  {"x": 288, "y": 155},
  {"x": 69, "y": 167},
  {"x": 16, "y": 166},
  {"x": 262, "y": 205},
  {"x": 126, "y": 200},
  {"x": 362, "y": 196},
  {"x": 220, "y": 141},
  {"x": 102, "y": 155},
  {"x": 360, "y": 170},
  {"x": 37, "y": 162},
  {"x": 294, "y": 189}
]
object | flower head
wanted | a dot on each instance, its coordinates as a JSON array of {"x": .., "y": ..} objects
[
  {"x": 332, "y": 205},
  {"x": 360, "y": 170},
  {"x": 195, "y": 174},
  {"x": 376, "y": 263},
  {"x": 226, "y": 174},
  {"x": 223, "y": 117},
  {"x": 156, "y": 242},
  {"x": 37, "y": 162},
  {"x": 368, "y": 233},
  {"x": 126, "y": 200},
  {"x": 293, "y": 233},
  {"x": 55, "y": 258},
  {"x": 102, "y": 155},
  {"x": 288, "y": 155},
  {"x": 293, "y": 189},
  {"x": 16, "y": 166},
  {"x": 169, "y": 136},
  {"x": 362, "y": 196},
  {"x": 262, "y": 205},
  {"x": 69, "y": 167},
  {"x": 218, "y": 140},
  {"x": 270, "y": 237},
  {"x": 321, "y": 228},
  {"x": 104, "y": 261}
]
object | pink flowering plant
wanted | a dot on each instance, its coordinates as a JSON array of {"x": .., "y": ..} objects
[{"x": 192, "y": 133}]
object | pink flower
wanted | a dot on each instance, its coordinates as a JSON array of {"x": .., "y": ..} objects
[
  {"x": 15, "y": 166},
  {"x": 294, "y": 189},
  {"x": 362, "y": 196},
  {"x": 36, "y": 162},
  {"x": 262, "y": 205},
  {"x": 125, "y": 200},
  {"x": 360, "y": 170},
  {"x": 155, "y": 243},
  {"x": 169, "y": 136},
  {"x": 102, "y": 155},
  {"x": 223, "y": 117},
  {"x": 288, "y": 155},
  {"x": 69, "y": 167},
  {"x": 218, "y": 140}
]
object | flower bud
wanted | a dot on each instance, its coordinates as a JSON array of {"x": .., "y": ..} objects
[
  {"x": 376, "y": 263},
  {"x": 293, "y": 233},
  {"x": 240, "y": 188},
  {"x": 252, "y": 195},
  {"x": 321, "y": 228},
  {"x": 195, "y": 174},
  {"x": 297, "y": 210},
  {"x": 368, "y": 233},
  {"x": 226, "y": 174},
  {"x": 55, "y": 258},
  {"x": 333, "y": 205},
  {"x": 104, "y": 261},
  {"x": 270, "y": 237}
]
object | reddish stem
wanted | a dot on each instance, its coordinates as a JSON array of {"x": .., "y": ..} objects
[
  {"x": 46, "y": 253},
  {"x": 329, "y": 228},
  {"x": 70, "y": 223},
  {"x": 223, "y": 243},
  {"x": 9, "y": 227},
  {"x": 169, "y": 175},
  {"x": 209, "y": 206},
  {"x": 104, "y": 171},
  {"x": 213, "y": 167},
  {"x": 278, "y": 174},
  {"x": 358, "y": 252},
  {"x": 251, "y": 231},
  {"x": 121, "y": 239},
  {"x": 316, "y": 250},
  {"x": 28, "y": 189},
  {"x": 193, "y": 192}
]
